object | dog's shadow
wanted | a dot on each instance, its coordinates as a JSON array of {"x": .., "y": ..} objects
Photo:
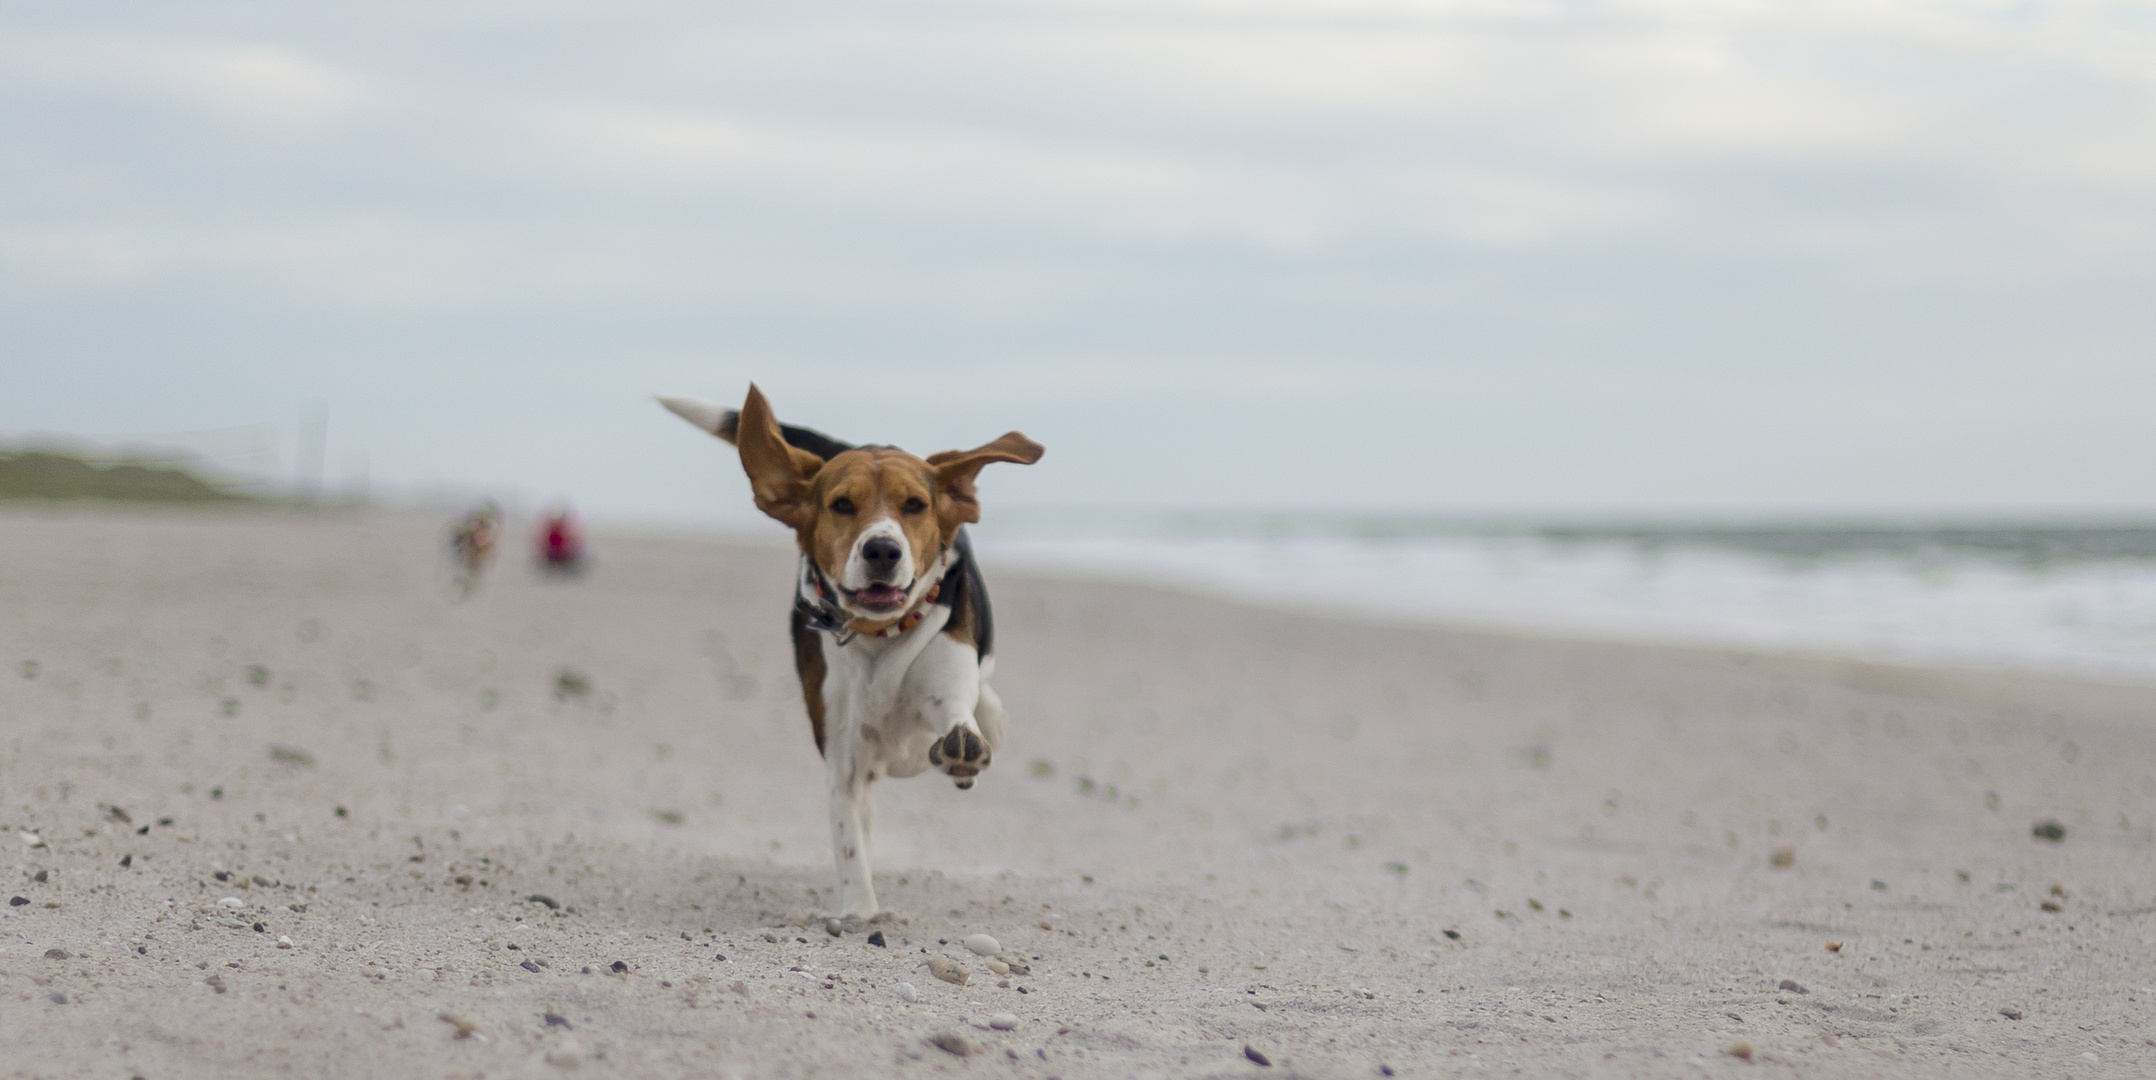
[{"x": 719, "y": 895}]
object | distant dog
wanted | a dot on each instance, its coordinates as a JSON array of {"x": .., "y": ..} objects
[
  {"x": 472, "y": 542},
  {"x": 891, "y": 626}
]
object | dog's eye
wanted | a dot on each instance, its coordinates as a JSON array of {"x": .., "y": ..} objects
[
  {"x": 842, "y": 506},
  {"x": 913, "y": 506}
]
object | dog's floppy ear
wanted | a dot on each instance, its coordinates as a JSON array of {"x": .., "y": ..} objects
[
  {"x": 779, "y": 475},
  {"x": 708, "y": 418},
  {"x": 955, "y": 470}
]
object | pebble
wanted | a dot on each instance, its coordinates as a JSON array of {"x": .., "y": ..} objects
[
  {"x": 1020, "y": 967},
  {"x": 465, "y": 1025},
  {"x": 949, "y": 971},
  {"x": 2010, "y": 1014},
  {"x": 771, "y": 937},
  {"x": 999, "y": 967},
  {"x": 283, "y": 942},
  {"x": 906, "y": 991},
  {"x": 529, "y": 966},
  {"x": 1741, "y": 1050},
  {"x": 983, "y": 945},
  {"x": 834, "y": 927},
  {"x": 56, "y": 998},
  {"x": 558, "y": 1020},
  {"x": 17, "y": 901},
  {"x": 232, "y": 902},
  {"x": 1003, "y": 1022},
  {"x": 739, "y": 986},
  {"x": 1793, "y": 986},
  {"x": 58, "y": 954},
  {"x": 957, "y": 1043},
  {"x": 876, "y": 939},
  {"x": 549, "y": 902},
  {"x": 568, "y": 1055},
  {"x": 1254, "y": 1055},
  {"x": 2048, "y": 830}
]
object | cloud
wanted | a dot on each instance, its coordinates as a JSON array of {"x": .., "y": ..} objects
[{"x": 263, "y": 85}]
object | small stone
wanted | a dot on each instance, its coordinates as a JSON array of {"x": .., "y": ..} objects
[
  {"x": 834, "y": 928},
  {"x": 568, "y": 1055},
  {"x": 58, "y": 954},
  {"x": 558, "y": 1020},
  {"x": 949, "y": 971},
  {"x": 999, "y": 967},
  {"x": 1784, "y": 857},
  {"x": 2050, "y": 905},
  {"x": 1741, "y": 1050},
  {"x": 56, "y": 998},
  {"x": 876, "y": 939},
  {"x": 465, "y": 1025},
  {"x": 283, "y": 942},
  {"x": 956, "y": 1043},
  {"x": 215, "y": 982},
  {"x": 2048, "y": 829},
  {"x": 290, "y": 755},
  {"x": 1453, "y": 934},
  {"x": 1018, "y": 967},
  {"x": 233, "y": 902},
  {"x": 2010, "y": 1014},
  {"x": 983, "y": 945},
  {"x": 1793, "y": 986},
  {"x": 907, "y": 992},
  {"x": 1255, "y": 1056},
  {"x": 771, "y": 937},
  {"x": 739, "y": 986},
  {"x": 1003, "y": 1022},
  {"x": 549, "y": 902},
  {"x": 529, "y": 966},
  {"x": 1834, "y": 946},
  {"x": 618, "y": 967}
]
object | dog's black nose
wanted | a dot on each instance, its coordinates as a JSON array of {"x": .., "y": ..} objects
[{"x": 881, "y": 553}]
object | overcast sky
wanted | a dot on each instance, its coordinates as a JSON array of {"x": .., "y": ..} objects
[{"x": 1661, "y": 255}]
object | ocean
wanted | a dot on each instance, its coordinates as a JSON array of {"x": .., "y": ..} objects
[{"x": 2075, "y": 598}]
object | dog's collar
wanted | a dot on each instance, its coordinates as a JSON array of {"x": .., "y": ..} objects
[{"x": 817, "y": 597}]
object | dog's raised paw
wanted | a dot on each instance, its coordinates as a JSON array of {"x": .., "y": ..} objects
[{"x": 962, "y": 754}]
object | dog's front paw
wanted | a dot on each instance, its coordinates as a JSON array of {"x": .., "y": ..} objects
[{"x": 962, "y": 753}]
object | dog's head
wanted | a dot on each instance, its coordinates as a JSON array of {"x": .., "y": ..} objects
[{"x": 875, "y": 519}]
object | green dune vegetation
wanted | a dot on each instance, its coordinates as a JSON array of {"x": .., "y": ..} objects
[{"x": 42, "y": 474}]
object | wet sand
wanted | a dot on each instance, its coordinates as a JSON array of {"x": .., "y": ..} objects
[{"x": 1348, "y": 847}]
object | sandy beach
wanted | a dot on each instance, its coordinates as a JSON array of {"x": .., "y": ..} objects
[{"x": 274, "y": 803}]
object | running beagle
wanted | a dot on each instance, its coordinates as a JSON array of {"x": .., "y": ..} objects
[{"x": 891, "y": 628}]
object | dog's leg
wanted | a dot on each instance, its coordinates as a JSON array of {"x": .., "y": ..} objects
[
  {"x": 851, "y": 818},
  {"x": 988, "y": 715},
  {"x": 945, "y": 687}
]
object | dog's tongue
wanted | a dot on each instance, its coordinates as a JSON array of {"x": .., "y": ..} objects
[{"x": 880, "y": 595}]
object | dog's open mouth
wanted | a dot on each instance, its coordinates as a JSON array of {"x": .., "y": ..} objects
[{"x": 878, "y": 599}]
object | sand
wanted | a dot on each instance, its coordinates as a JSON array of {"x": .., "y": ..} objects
[{"x": 1349, "y": 847}]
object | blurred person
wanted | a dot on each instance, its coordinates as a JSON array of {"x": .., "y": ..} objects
[{"x": 561, "y": 544}]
